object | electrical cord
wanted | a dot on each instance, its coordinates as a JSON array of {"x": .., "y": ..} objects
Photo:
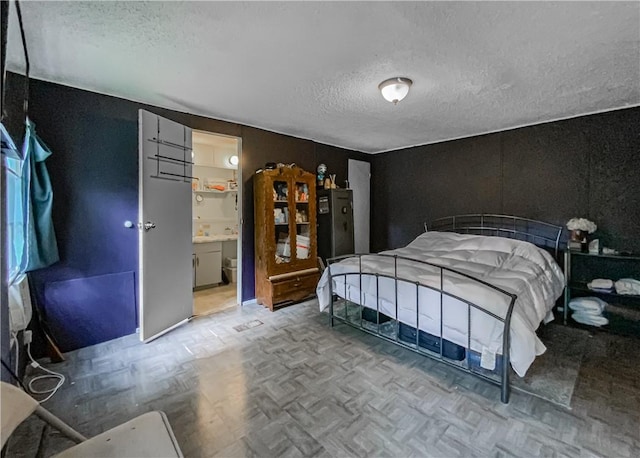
[
  {"x": 14, "y": 336},
  {"x": 50, "y": 375},
  {"x": 13, "y": 374},
  {"x": 29, "y": 388}
]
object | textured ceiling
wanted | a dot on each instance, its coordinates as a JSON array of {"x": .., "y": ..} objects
[{"x": 311, "y": 69}]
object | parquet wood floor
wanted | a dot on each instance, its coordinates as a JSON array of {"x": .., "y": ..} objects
[{"x": 292, "y": 386}]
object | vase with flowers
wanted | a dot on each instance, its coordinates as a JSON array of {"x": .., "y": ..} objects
[{"x": 579, "y": 228}]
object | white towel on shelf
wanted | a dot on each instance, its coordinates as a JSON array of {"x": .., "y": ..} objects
[
  {"x": 592, "y": 305},
  {"x": 589, "y": 318},
  {"x": 628, "y": 286},
  {"x": 600, "y": 283}
]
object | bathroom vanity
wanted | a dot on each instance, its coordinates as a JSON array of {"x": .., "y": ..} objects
[{"x": 207, "y": 259}]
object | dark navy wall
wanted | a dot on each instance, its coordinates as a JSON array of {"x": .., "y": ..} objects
[
  {"x": 586, "y": 167},
  {"x": 89, "y": 296},
  {"x": 93, "y": 170}
]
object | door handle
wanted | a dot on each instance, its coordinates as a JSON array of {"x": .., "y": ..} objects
[
  {"x": 149, "y": 225},
  {"x": 197, "y": 261}
]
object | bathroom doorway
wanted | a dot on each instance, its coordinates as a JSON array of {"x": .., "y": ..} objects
[{"x": 216, "y": 222}]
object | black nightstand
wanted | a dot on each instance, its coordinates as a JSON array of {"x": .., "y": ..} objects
[{"x": 580, "y": 268}]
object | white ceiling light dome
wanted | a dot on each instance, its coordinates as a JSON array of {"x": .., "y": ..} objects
[{"x": 395, "y": 89}]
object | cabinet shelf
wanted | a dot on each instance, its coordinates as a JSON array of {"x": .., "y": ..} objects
[{"x": 286, "y": 252}]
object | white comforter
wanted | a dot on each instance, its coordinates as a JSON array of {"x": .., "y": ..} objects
[{"x": 513, "y": 265}]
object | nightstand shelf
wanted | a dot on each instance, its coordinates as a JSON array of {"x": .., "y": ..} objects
[
  {"x": 582, "y": 287},
  {"x": 618, "y": 257},
  {"x": 581, "y": 268}
]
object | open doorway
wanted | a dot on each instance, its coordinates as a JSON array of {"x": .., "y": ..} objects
[{"x": 216, "y": 211}]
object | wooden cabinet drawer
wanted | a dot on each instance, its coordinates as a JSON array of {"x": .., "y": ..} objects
[{"x": 294, "y": 287}]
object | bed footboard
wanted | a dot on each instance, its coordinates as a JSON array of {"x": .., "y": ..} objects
[{"x": 346, "y": 309}]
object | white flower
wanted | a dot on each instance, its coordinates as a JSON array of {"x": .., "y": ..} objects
[{"x": 581, "y": 224}]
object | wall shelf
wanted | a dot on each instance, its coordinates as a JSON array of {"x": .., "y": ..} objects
[
  {"x": 213, "y": 191},
  {"x": 216, "y": 167},
  {"x": 224, "y": 221}
]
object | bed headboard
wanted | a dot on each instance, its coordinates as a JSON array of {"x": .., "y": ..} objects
[{"x": 539, "y": 233}]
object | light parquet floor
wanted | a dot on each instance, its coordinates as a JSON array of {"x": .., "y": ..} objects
[
  {"x": 292, "y": 386},
  {"x": 216, "y": 299}
]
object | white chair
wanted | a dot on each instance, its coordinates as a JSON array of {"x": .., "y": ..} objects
[{"x": 148, "y": 435}]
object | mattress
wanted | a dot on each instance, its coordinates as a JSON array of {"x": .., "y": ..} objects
[
  {"x": 515, "y": 266},
  {"x": 450, "y": 350}
]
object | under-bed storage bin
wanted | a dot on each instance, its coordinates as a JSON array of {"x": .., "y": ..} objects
[
  {"x": 370, "y": 315},
  {"x": 474, "y": 362},
  {"x": 432, "y": 343}
]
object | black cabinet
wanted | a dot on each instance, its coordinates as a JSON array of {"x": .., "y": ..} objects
[{"x": 335, "y": 223}]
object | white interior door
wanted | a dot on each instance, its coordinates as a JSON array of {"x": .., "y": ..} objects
[
  {"x": 359, "y": 181},
  {"x": 164, "y": 222}
]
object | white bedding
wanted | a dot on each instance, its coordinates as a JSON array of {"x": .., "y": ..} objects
[{"x": 516, "y": 266}]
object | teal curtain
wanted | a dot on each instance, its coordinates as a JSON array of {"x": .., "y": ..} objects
[
  {"x": 16, "y": 206},
  {"x": 42, "y": 248},
  {"x": 9, "y": 148},
  {"x": 32, "y": 242}
]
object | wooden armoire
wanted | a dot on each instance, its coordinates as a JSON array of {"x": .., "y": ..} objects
[{"x": 285, "y": 236}]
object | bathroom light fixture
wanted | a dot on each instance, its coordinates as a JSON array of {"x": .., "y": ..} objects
[
  {"x": 395, "y": 89},
  {"x": 233, "y": 160}
]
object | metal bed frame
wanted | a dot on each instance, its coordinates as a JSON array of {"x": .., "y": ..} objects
[{"x": 540, "y": 233}]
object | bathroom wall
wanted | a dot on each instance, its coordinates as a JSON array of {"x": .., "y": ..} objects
[{"x": 215, "y": 213}]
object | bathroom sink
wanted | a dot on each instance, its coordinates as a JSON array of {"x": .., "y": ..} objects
[{"x": 214, "y": 238}]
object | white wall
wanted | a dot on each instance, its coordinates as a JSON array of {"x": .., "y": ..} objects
[{"x": 217, "y": 213}]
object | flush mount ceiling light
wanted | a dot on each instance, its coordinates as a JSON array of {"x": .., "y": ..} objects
[{"x": 395, "y": 89}]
